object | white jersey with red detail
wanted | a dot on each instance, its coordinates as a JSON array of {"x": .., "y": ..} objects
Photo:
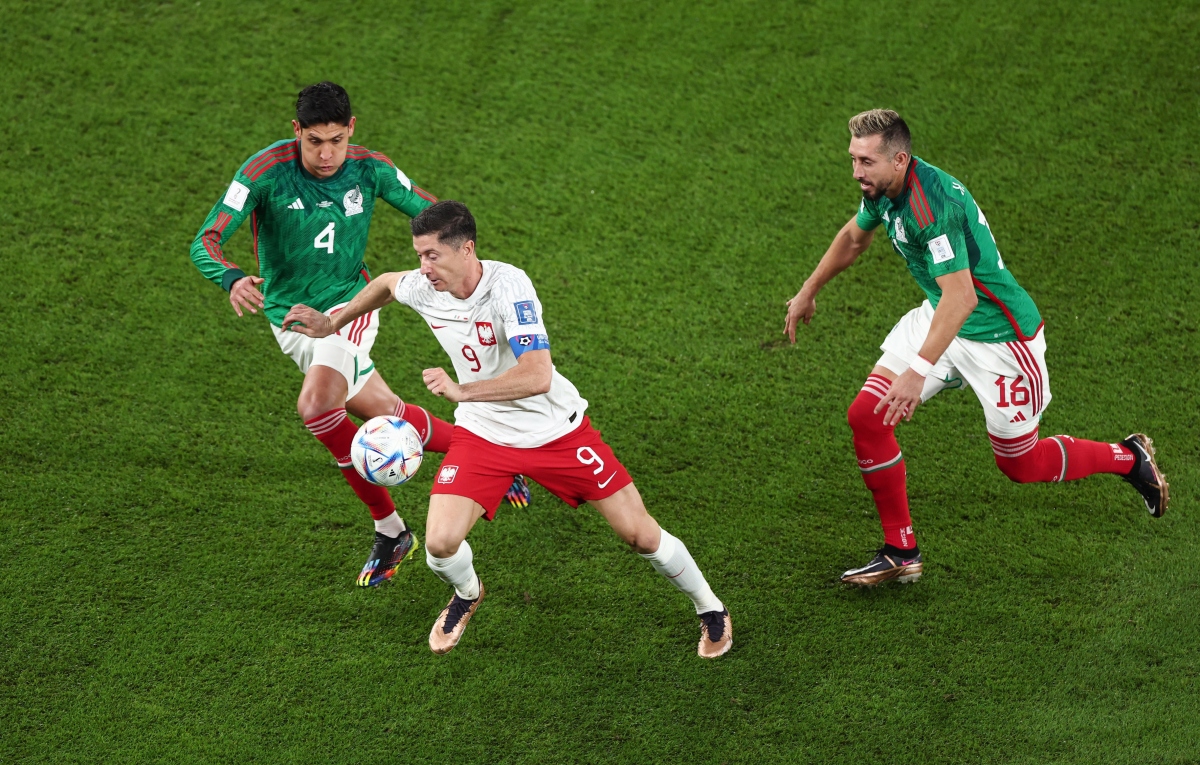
[{"x": 483, "y": 335}]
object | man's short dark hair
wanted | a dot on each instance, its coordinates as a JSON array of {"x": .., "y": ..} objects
[
  {"x": 450, "y": 220},
  {"x": 886, "y": 123},
  {"x": 322, "y": 104}
]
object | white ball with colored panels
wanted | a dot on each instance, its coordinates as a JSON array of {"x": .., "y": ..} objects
[{"x": 387, "y": 451}]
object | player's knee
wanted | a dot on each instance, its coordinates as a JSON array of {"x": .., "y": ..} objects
[
  {"x": 643, "y": 543},
  {"x": 441, "y": 545},
  {"x": 861, "y": 415},
  {"x": 312, "y": 404},
  {"x": 1021, "y": 469}
]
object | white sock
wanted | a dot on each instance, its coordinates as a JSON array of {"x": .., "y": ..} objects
[
  {"x": 457, "y": 571},
  {"x": 673, "y": 561},
  {"x": 392, "y": 526}
]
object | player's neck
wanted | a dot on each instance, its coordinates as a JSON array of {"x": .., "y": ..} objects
[
  {"x": 469, "y": 284},
  {"x": 896, "y": 187}
]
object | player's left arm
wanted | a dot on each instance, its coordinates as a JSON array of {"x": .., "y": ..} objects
[
  {"x": 394, "y": 187},
  {"x": 309, "y": 321},
  {"x": 950, "y": 266},
  {"x": 530, "y": 377}
]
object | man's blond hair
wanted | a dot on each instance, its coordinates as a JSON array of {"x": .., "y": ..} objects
[{"x": 886, "y": 123}]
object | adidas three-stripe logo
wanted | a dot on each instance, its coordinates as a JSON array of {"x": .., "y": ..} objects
[{"x": 297, "y": 205}]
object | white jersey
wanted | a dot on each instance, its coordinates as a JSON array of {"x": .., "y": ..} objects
[{"x": 483, "y": 336}]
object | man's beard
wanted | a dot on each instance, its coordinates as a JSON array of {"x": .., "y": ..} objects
[{"x": 873, "y": 195}]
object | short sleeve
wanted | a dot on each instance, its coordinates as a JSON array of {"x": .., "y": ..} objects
[
  {"x": 521, "y": 312},
  {"x": 946, "y": 245},
  {"x": 868, "y": 218},
  {"x": 407, "y": 283}
]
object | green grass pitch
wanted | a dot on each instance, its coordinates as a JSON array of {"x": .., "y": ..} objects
[{"x": 177, "y": 554}]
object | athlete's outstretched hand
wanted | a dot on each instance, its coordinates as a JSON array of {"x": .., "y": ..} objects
[
  {"x": 441, "y": 384},
  {"x": 307, "y": 321},
  {"x": 800, "y": 309},
  {"x": 902, "y": 398},
  {"x": 244, "y": 294}
]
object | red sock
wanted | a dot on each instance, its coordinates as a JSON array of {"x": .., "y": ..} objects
[
  {"x": 881, "y": 463},
  {"x": 1060, "y": 458},
  {"x": 435, "y": 433},
  {"x": 335, "y": 430}
]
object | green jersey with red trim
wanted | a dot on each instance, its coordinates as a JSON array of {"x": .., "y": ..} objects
[
  {"x": 309, "y": 234},
  {"x": 938, "y": 229}
]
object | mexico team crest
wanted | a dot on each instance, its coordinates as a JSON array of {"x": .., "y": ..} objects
[
  {"x": 487, "y": 335},
  {"x": 353, "y": 202}
]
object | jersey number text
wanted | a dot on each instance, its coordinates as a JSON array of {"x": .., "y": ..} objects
[
  {"x": 1019, "y": 392},
  {"x": 469, "y": 354},
  {"x": 324, "y": 240}
]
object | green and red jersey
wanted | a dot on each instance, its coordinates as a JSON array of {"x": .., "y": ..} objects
[
  {"x": 309, "y": 234},
  {"x": 938, "y": 229}
]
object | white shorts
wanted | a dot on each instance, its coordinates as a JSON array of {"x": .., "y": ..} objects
[
  {"x": 1010, "y": 379},
  {"x": 348, "y": 351}
]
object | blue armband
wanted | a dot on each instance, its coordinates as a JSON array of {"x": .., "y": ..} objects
[{"x": 522, "y": 343}]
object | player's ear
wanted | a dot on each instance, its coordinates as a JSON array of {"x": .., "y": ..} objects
[
  {"x": 297, "y": 129},
  {"x": 350, "y": 132}
]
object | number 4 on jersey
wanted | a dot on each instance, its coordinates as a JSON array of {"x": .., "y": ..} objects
[{"x": 324, "y": 240}]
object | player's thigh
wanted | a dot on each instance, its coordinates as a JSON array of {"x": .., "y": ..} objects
[
  {"x": 902, "y": 346},
  {"x": 374, "y": 399},
  {"x": 451, "y": 518},
  {"x": 324, "y": 389},
  {"x": 1010, "y": 380},
  {"x": 626, "y": 514}
]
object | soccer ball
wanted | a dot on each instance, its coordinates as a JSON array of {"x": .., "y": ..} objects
[{"x": 386, "y": 451}]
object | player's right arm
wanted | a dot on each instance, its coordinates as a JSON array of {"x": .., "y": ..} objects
[
  {"x": 309, "y": 321},
  {"x": 850, "y": 242},
  {"x": 208, "y": 252}
]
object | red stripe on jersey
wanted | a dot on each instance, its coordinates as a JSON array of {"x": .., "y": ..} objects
[
  {"x": 254, "y": 234},
  {"x": 212, "y": 239},
  {"x": 365, "y": 275},
  {"x": 916, "y": 199},
  {"x": 267, "y": 156},
  {"x": 423, "y": 194},
  {"x": 258, "y": 174},
  {"x": 1011, "y": 319}
]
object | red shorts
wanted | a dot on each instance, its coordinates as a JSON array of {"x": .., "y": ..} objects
[{"x": 577, "y": 468}]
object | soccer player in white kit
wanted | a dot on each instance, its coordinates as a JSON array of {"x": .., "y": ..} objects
[{"x": 516, "y": 414}]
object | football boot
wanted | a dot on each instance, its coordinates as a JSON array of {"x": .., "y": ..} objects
[
  {"x": 1145, "y": 475},
  {"x": 518, "y": 494},
  {"x": 885, "y": 566},
  {"x": 386, "y": 556},
  {"x": 452, "y": 621},
  {"x": 716, "y": 634}
]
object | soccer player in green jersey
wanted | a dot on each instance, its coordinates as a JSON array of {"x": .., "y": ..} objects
[
  {"x": 977, "y": 328},
  {"x": 309, "y": 201}
]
